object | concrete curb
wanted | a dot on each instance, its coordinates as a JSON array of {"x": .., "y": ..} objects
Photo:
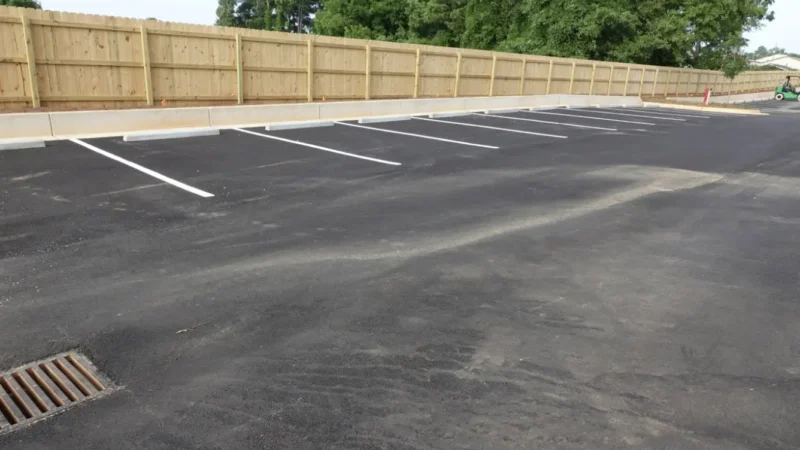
[
  {"x": 381, "y": 119},
  {"x": 170, "y": 134},
  {"x": 446, "y": 115},
  {"x": 501, "y": 111},
  {"x": 20, "y": 144},
  {"x": 298, "y": 125}
]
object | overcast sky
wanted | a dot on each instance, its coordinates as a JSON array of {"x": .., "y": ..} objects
[{"x": 782, "y": 32}]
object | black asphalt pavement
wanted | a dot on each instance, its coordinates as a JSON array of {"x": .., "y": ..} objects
[
  {"x": 775, "y": 106},
  {"x": 630, "y": 287}
]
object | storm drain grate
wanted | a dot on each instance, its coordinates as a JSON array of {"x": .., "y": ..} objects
[{"x": 45, "y": 388}]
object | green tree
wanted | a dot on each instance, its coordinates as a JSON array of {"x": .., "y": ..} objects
[
  {"x": 436, "y": 22},
  {"x": 704, "y": 34},
  {"x": 275, "y": 15},
  {"x": 762, "y": 52},
  {"x": 21, "y": 3},
  {"x": 376, "y": 19}
]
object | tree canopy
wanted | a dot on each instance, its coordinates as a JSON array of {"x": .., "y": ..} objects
[
  {"x": 703, "y": 34},
  {"x": 275, "y": 15},
  {"x": 21, "y": 3}
]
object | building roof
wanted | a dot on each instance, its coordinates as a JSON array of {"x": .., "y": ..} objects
[{"x": 780, "y": 61}]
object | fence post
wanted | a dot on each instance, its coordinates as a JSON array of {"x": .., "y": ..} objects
[
  {"x": 610, "y": 80},
  {"x": 522, "y": 76},
  {"x": 572, "y": 78},
  {"x": 641, "y": 83},
  {"x": 549, "y": 78},
  {"x": 368, "y": 72},
  {"x": 148, "y": 81},
  {"x": 31, "y": 60},
  {"x": 239, "y": 71},
  {"x": 458, "y": 75},
  {"x": 491, "y": 80},
  {"x": 310, "y": 70},
  {"x": 655, "y": 83},
  {"x": 627, "y": 81},
  {"x": 416, "y": 74},
  {"x": 591, "y": 83},
  {"x": 666, "y": 88}
]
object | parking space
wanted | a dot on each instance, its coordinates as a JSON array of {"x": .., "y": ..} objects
[
  {"x": 240, "y": 163},
  {"x": 341, "y": 282}
]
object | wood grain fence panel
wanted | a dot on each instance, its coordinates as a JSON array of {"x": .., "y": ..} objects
[
  {"x": 13, "y": 78},
  {"x": 437, "y": 75}
]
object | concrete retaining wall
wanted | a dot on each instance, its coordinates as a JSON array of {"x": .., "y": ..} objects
[
  {"x": 110, "y": 123},
  {"x": 87, "y": 123},
  {"x": 25, "y": 125},
  {"x": 236, "y": 116}
]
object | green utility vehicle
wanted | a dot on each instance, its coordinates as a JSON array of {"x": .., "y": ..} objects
[{"x": 786, "y": 91}]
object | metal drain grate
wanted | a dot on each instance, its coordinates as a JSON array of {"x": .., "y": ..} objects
[{"x": 44, "y": 388}]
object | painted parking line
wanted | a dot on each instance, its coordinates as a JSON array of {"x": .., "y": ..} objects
[
  {"x": 318, "y": 147},
  {"x": 588, "y": 117},
  {"x": 510, "y": 130},
  {"x": 403, "y": 133},
  {"x": 152, "y": 173},
  {"x": 548, "y": 122},
  {"x": 661, "y": 113},
  {"x": 643, "y": 116}
]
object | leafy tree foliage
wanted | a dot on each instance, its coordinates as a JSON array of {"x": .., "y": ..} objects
[
  {"x": 705, "y": 34},
  {"x": 275, "y": 15},
  {"x": 21, "y": 3}
]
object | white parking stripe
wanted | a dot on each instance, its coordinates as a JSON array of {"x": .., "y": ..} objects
[
  {"x": 644, "y": 116},
  {"x": 548, "y": 122},
  {"x": 325, "y": 149},
  {"x": 661, "y": 113},
  {"x": 417, "y": 135},
  {"x": 152, "y": 173},
  {"x": 510, "y": 130},
  {"x": 588, "y": 117}
]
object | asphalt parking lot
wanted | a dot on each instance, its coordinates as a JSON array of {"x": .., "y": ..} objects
[
  {"x": 775, "y": 106},
  {"x": 560, "y": 279}
]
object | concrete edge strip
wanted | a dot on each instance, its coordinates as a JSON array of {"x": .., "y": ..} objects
[
  {"x": 382, "y": 119},
  {"x": 169, "y": 134},
  {"x": 738, "y": 111},
  {"x": 163, "y": 123},
  {"x": 20, "y": 144},
  {"x": 298, "y": 125}
]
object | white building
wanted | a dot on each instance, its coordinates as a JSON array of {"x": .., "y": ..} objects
[{"x": 782, "y": 62}]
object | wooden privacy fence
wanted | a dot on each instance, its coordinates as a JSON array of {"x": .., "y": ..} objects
[{"x": 75, "y": 61}]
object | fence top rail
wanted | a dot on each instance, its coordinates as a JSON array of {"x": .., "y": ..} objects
[{"x": 84, "y": 25}]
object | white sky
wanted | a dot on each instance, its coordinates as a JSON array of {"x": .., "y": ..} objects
[
  {"x": 781, "y": 32},
  {"x": 201, "y": 12}
]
